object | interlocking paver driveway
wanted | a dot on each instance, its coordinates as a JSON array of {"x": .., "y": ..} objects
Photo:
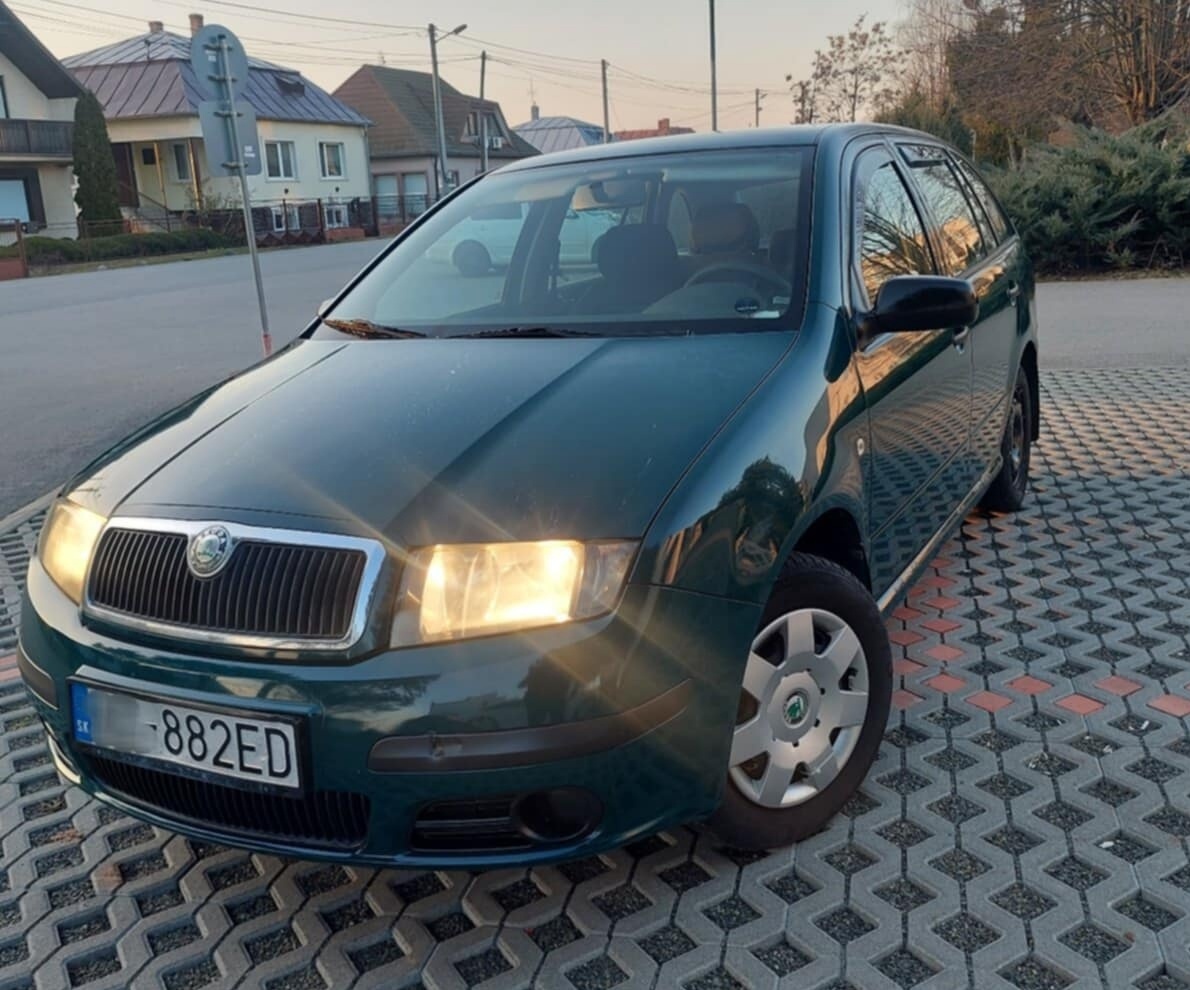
[{"x": 1026, "y": 825}]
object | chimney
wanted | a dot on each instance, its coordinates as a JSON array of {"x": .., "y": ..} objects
[
  {"x": 195, "y": 24},
  {"x": 663, "y": 125},
  {"x": 156, "y": 27},
  {"x": 535, "y": 112}
]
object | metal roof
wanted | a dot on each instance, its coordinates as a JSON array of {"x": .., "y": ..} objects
[
  {"x": 548, "y": 134},
  {"x": 150, "y": 76}
]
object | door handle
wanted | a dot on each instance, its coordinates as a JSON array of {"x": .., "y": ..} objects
[
  {"x": 1014, "y": 293},
  {"x": 960, "y": 336}
]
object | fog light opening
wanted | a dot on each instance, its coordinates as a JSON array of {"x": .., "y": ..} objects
[{"x": 562, "y": 814}]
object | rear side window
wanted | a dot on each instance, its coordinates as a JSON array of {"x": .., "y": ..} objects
[
  {"x": 986, "y": 199},
  {"x": 960, "y": 236},
  {"x": 891, "y": 236}
]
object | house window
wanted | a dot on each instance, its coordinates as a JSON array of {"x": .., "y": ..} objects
[
  {"x": 280, "y": 160},
  {"x": 14, "y": 201},
  {"x": 3, "y": 100},
  {"x": 330, "y": 153},
  {"x": 335, "y": 214},
  {"x": 286, "y": 218},
  {"x": 179, "y": 159},
  {"x": 472, "y": 129}
]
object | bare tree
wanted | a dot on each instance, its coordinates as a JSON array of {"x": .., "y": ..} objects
[{"x": 850, "y": 77}]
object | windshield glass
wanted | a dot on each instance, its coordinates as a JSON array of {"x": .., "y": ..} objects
[{"x": 702, "y": 242}]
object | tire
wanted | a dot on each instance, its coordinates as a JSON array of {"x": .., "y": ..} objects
[
  {"x": 758, "y": 810},
  {"x": 1008, "y": 489},
  {"x": 472, "y": 259}
]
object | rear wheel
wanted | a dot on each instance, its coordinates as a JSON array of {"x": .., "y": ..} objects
[
  {"x": 1008, "y": 489},
  {"x": 472, "y": 259},
  {"x": 813, "y": 706}
]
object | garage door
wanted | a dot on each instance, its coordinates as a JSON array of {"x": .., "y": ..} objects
[{"x": 13, "y": 203}]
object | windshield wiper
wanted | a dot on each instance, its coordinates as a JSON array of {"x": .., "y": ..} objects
[
  {"x": 540, "y": 332},
  {"x": 366, "y": 328}
]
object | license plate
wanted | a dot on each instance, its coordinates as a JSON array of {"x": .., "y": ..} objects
[{"x": 243, "y": 747}]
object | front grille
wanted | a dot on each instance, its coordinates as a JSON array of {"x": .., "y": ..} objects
[
  {"x": 276, "y": 590},
  {"x": 331, "y": 819},
  {"x": 468, "y": 826}
]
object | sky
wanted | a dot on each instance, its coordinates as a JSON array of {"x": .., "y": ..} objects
[{"x": 561, "y": 43}]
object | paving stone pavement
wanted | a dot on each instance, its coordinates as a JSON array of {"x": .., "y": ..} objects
[{"x": 1026, "y": 825}]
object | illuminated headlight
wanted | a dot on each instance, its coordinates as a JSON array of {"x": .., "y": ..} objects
[
  {"x": 456, "y": 592},
  {"x": 67, "y": 541}
]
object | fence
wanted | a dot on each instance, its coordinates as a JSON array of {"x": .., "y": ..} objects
[{"x": 153, "y": 231}]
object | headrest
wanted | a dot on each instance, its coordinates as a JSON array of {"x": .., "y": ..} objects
[
  {"x": 724, "y": 228},
  {"x": 635, "y": 251}
]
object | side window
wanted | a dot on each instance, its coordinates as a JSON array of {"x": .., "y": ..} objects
[
  {"x": 995, "y": 215},
  {"x": 890, "y": 234},
  {"x": 959, "y": 233}
]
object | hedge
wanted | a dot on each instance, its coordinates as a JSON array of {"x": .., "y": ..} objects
[
  {"x": 1106, "y": 203},
  {"x": 59, "y": 251}
]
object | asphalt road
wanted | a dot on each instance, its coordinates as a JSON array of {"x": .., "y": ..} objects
[{"x": 86, "y": 358}]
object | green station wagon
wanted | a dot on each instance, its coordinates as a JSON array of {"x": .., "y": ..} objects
[{"x": 519, "y": 563}]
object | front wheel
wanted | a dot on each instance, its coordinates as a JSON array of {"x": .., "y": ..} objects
[
  {"x": 815, "y": 698},
  {"x": 1008, "y": 489}
]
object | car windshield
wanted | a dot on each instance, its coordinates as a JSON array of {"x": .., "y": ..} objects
[{"x": 703, "y": 242}]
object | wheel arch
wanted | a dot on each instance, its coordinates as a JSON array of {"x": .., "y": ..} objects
[
  {"x": 1032, "y": 372},
  {"x": 833, "y": 533}
]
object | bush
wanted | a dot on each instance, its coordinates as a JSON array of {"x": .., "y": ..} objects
[
  {"x": 57, "y": 251},
  {"x": 1106, "y": 203}
]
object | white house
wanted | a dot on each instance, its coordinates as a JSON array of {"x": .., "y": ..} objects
[
  {"x": 37, "y": 98},
  {"x": 315, "y": 147}
]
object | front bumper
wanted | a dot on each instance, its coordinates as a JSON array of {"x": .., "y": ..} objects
[{"x": 630, "y": 714}]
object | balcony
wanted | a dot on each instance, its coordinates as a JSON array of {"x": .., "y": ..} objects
[{"x": 48, "y": 139}]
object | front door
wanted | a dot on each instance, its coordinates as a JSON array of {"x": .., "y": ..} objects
[
  {"x": 125, "y": 175},
  {"x": 917, "y": 385}
]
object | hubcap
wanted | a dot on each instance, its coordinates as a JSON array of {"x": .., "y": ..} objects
[
  {"x": 803, "y": 706},
  {"x": 1016, "y": 436}
]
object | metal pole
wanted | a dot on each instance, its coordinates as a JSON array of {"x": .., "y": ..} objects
[
  {"x": 758, "y": 109},
  {"x": 483, "y": 116},
  {"x": 443, "y": 173},
  {"x": 714, "y": 79},
  {"x": 607, "y": 134},
  {"x": 266, "y": 339}
]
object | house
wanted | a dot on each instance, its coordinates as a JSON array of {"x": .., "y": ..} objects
[
  {"x": 315, "y": 149},
  {"x": 404, "y": 136},
  {"x": 548, "y": 134},
  {"x": 663, "y": 129},
  {"x": 37, "y": 98}
]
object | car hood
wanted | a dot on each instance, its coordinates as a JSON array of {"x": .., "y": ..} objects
[{"x": 427, "y": 441}]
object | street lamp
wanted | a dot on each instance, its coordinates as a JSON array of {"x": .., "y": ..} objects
[{"x": 443, "y": 172}]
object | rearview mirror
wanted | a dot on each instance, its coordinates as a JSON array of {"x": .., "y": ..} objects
[{"x": 915, "y": 303}]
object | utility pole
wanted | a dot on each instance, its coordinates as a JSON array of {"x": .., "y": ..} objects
[
  {"x": 758, "y": 108},
  {"x": 607, "y": 134},
  {"x": 483, "y": 113},
  {"x": 443, "y": 170},
  {"x": 714, "y": 80}
]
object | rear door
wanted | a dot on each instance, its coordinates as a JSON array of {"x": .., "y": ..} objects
[
  {"x": 917, "y": 385},
  {"x": 968, "y": 246}
]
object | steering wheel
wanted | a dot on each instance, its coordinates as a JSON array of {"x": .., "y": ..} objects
[{"x": 760, "y": 273}]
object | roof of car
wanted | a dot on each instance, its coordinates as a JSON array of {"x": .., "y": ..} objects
[{"x": 793, "y": 136}]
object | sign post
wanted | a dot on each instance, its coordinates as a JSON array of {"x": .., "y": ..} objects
[{"x": 221, "y": 65}]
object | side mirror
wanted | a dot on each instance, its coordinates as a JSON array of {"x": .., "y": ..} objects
[
  {"x": 324, "y": 306},
  {"x": 915, "y": 303}
]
